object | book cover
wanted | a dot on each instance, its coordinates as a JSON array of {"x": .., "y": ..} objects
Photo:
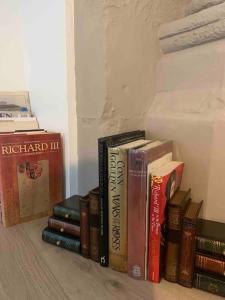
[
  {"x": 186, "y": 267},
  {"x": 94, "y": 211},
  {"x": 176, "y": 208},
  {"x": 210, "y": 264},
  {"x": 209, "y": 283},
  {"x": 69, "y": 208},
  {"x": 164, "y": 182},
  {"x": 138, "y": 161},
  {"x": 62, "y": 240},
  {"x": 210, "y": 237},
  {"x": 31, "y": 175},
  {"x": 85, "y": 226},
  {"x": 117, "y": 161},
  {"x": 103, "y": 144},
  {"x": 63, "y": 225}
]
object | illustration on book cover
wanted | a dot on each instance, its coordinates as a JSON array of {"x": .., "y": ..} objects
[{"x": 33, "y": 184}]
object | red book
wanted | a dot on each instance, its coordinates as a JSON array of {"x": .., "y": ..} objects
[
  {"x": 31, "y": 175},
  {"x": 164, "y": 182},
  {"x": 138, "y": 162}
]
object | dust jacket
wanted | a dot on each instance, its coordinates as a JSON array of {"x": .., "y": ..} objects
[{"x": 31, "y": 175}]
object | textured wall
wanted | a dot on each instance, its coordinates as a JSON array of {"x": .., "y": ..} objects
[{"x": 116, "y": 55}]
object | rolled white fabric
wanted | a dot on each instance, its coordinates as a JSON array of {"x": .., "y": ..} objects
[
  {"x": 197, "y": 5},
  {"x": 201, "y": 35},
  {"x": 202, "y": 18}
]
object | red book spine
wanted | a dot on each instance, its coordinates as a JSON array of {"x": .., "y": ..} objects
[
  {"x": 210, "y": 264},
  {"x": 85, "y": 227},
  {"x": 156, "y": 214},
  {"x": 62, "y": 226}
]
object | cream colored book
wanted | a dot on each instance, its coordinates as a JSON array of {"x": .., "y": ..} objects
[
  {"x": 117, "y": 189},
  {"x": 13, "y": 124}
]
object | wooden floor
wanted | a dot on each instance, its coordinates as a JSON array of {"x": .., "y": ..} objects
[{"x": 31, "y": 269}]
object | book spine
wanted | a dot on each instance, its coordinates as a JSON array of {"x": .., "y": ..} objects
[
  {"x": 156, "y": 206},
  {"x": 85, "y": 228},
  {"x": 56, "y": 239},
  {"x": 185, "y": 275},
  {"x": 210, "y": 264},
  {"x": 103, "y": 198},
  {"x": 209, "y": 284},
  {"x": 94, "y": 227},
  {"x": 172, "y": 261},
  {"x": 117, "y": 165},
  {"x": 65, "y": 213},
  {"x": 137, "y": 183},
  {"x": 211, "y": 246},
  {"x": 62, "y": 226}
]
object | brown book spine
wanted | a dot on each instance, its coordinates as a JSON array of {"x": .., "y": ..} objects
[
  {"x": 187, "y": 255},
  {"x": 210, "y": 264},
  {"x": 62, "y": 226},
  {"x": 85, "y": 227},
  {"x": 94, "y": 224}
]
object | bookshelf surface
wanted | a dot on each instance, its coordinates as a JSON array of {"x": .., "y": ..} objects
[{"x": 32, "y": 269}]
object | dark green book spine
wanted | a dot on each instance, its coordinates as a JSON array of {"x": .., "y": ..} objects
[
  {"x": 61, "y": 240},
  {"x": 210, "y": 284},
  {"x": 211, "y": 246},
  {"x": 103, "y": 144},
  {"x": 65, "y": 213}
]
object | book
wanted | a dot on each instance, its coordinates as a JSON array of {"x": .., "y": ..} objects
[
  {"x": 117, "y": 177},
  {"x": 176, "y": 208},
  {"x": 85, "y": 226},
  {"x": 68, "y": 209},
  {"x": 94, "y": 214},
  {"x": 62, "y": 240},
  {"x": 164, "y": 182},
  {"x": 13, "y": 124},
  {"x": 210, "y": 237},
  {"x": 209, "y": 283},
  {"x": 210, "y": 264},
  {"x": 15, "y": 104},
  {"x": 31, "y": 175},
  {"x": 138, "y": 161},
  {"x": 103, "y": 144},
  {"x": 63, "y": 225},
  {"x": 186, "y": 267}
]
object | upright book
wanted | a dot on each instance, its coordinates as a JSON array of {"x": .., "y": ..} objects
[
  {"x": 211, "y": 237},
  {"x": 176, "y": 208},
  {"x": 85, "y": 226},
  {"x": 164, "y": 182},
  {"x": 138, "y": 161},
  {"x": 186, "y": 267},
  {"x": 31, "y": 175},
  {"x": 94, "y": 212},
  {"x": 117, "y": 166},
  {"x": 103, "y": 144}
]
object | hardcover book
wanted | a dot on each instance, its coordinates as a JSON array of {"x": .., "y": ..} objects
[
  {"x": 211, "y": 237},
  {"x": 31, "y": 175},
  {"x": 103, "y": 144},
  {"x": 164, "y": 182},
  {"x": 138, "y": 161},
  {"x": 117, "y": 166},
  {"x": 209, "y": 283},
  {"x": 210, "y": 264},
  {"x": 85, "y": 226},
  {"x": 69, "y": 208},
  {"x": 63, "y": 225},
  {"x": 94, "y": 211},
  {"x": 176, "y": 208},
  {"x": 186, "y": 267},
  {"x": 62, "y": 240}
]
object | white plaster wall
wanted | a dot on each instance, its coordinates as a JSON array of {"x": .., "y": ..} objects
[
  {"x": 48, "y": 28},
  {"x": 116, "y": 51},
  {"x": 12, "y": 75}
]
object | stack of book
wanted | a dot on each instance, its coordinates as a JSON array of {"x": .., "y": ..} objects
[
  {"x": 210, "y": 257},
  {"x": 75, "y": 225}
]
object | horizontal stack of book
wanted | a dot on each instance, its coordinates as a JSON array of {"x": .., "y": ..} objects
[
  {"x": 210, "y": 257},
  {"x": 75, "y": 225}
]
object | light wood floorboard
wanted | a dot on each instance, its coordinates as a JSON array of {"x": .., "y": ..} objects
[{"x": 31, "y": 269}]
